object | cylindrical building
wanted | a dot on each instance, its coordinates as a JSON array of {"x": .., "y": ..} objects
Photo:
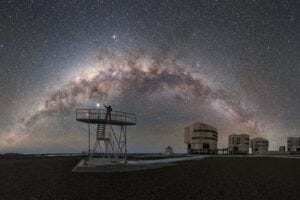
[
  {"x": 293, "y": 144},
  {"x": 259, "y": 145},
  {"x": 201, "y": 139},
  {"x": 238, "y": 144}
]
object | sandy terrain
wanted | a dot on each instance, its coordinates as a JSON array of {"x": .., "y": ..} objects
[{"x": 213, "y": 178}]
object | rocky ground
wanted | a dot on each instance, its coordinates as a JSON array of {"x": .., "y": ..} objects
[{"x": 213, "y": 178}]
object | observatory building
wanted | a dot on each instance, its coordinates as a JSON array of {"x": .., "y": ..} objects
[
  {"x": 238, "y": 144},
  {"x": 259, "y": 145},
  {"x": 293, "y": 144},
  {"x": 201, "y": 139}
]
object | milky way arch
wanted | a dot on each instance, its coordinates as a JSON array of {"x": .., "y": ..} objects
[{"x": 140, "y": 76}]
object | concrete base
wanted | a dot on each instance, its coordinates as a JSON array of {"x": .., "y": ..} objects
[
  {"x": 104, "y": 161},
  {"x": 118, "y": 165},
  {"x": 82, "y": 166}
]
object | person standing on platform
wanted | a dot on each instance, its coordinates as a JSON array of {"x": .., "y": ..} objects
[{"x": 108, "y": 112}]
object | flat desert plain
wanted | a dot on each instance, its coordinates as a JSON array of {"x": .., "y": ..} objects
[{"x": 37, "y": 178}]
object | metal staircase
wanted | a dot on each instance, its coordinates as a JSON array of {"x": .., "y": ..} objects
[
  {"x": 101, "y": 132},
  {"x": 103, "y": 143}
]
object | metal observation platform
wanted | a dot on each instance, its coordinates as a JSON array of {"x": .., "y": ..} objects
[
  {"x": 110, "y": 144},
  {"x": 98, "y": 116}
]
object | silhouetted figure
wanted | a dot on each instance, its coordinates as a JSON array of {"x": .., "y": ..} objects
[{"x": 108, "y": 112}]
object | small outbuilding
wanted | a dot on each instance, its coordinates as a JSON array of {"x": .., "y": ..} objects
[
  {"x": 169, "y": 150},
  {"x": 281, "y": 148}
]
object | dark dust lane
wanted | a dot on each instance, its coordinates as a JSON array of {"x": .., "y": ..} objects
[{"x": 212, "y": 178}]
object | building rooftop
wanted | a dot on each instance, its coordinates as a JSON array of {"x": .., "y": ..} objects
[{"x": 258, "y": 138}]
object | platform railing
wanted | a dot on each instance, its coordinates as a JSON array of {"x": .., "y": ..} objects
[{"x": 101, "y": 115}]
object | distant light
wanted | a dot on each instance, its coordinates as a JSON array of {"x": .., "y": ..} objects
[{"x": 98, "y": 105}]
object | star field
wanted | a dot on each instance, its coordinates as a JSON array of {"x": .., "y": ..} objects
[{"x": 231, "y": 64}]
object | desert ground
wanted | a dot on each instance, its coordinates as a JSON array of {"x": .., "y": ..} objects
[{"x": 35, "y": 178}]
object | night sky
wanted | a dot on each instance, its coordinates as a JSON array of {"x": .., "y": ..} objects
[{"x": 231, "y": 64}]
